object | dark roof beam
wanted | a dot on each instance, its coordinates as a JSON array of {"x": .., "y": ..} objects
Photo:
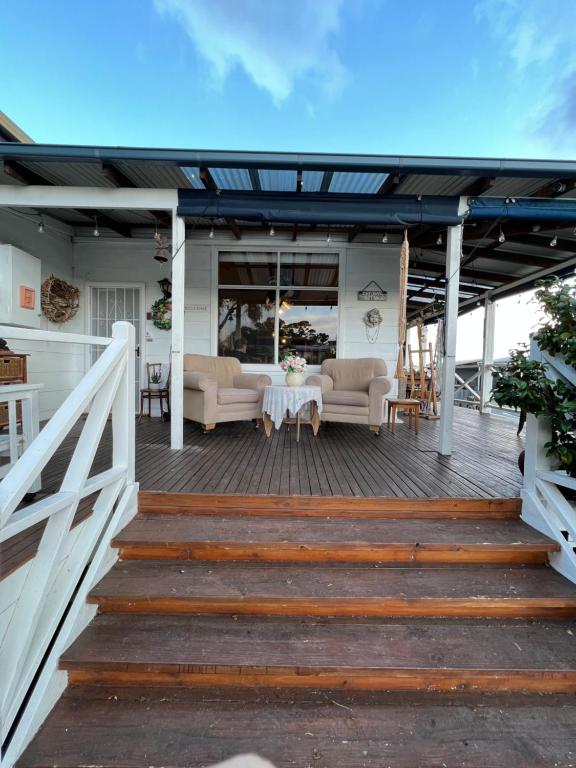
[
  {"x": 326, "y": 181},
  {"x": 116, "y": 176}
]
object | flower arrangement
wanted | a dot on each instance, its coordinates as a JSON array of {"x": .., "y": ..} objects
[{"x": 293, "y": 364}]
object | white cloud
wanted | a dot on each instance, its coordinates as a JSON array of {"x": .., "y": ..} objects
[
  {"x": 537, "y": 37},
  {"x": 276, "y": 42}
]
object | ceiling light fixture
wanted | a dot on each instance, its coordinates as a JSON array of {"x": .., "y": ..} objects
[
  {"x": 272, "y": 231},
  {"x": 328, "y": 239},
  {"x": 501, "y": 236},
  {"x": 439, "y": 239},
  {"x": 96, "y": 231},
  {"x": 211, "y": 233},
  {"x": 41, "y": 226},
  {"x": 554, "y": 241},
  {"x": 385, "y": 237}
]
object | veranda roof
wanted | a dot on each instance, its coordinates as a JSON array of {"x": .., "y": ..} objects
[{"x": 520, "y": 224}]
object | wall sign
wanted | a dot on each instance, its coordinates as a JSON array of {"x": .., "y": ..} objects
[
  {"x": 372, "y": 292},
  {"x": 27, "y": 297}
]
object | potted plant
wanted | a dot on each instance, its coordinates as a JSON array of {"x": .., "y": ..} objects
[
  {"x": 523, "y": 383},
  {"x": 156, "y": 380},
  {"x": 294, "y": 367}
]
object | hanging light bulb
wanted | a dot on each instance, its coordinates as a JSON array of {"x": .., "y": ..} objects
[
  {"x": 96, "y": 231},
  {"x": 211, "y": 233},
  {"x": 328, "y": 239},
  {"x": 272, "y": 231},
  {"x": 554, "y": 241},
  {"x": 385, "y": 237},
  {"x": 501, "y": 236},
  {"x": 41, "y": 226},
  {"x": 439, "y": 239},
  {"x": 574, "y": 231}
]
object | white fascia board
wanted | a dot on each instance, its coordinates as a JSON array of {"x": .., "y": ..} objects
[{"x": 87, "y": 197}]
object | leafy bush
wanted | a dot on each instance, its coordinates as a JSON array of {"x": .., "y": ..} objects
[{"x": 524, "y": 385}]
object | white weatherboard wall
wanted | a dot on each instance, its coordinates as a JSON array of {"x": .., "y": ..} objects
[
  {"x": 133, "y": 261},
  {"x": 58, "y": 366}
]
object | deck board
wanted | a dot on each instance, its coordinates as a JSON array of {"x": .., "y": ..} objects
[{"x": 343, "y": 460}]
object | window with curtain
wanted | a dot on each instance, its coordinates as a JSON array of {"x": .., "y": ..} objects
[{"x": 273, "y": 303}]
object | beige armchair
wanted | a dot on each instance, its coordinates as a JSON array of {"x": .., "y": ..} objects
[
  {"x": 216, "y": 390},
  {"x": 353, "y": 391}
]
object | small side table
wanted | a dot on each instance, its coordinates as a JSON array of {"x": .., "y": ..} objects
[
  {"x": 409, "y": 405},
  {"x": 280, "y": 400},
  {"x": 14, "y": 444}
]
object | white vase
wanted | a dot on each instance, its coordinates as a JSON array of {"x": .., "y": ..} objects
[{"x": 294, "y": 379}]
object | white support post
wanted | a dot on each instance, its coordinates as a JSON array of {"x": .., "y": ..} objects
[
  {"x": 123, "y": 421},
  {"x": 487, "y": 355},
  {"x": 453, "y": 251},
  {"x": 177, "y": 380}
]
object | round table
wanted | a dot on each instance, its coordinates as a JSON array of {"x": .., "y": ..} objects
[{"x": 280, "y": 400}]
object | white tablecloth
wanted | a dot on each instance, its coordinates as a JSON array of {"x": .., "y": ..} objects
[{"x": 279, "y": 399}]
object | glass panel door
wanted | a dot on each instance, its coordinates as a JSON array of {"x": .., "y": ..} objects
[{"x": 111, "y": 303}]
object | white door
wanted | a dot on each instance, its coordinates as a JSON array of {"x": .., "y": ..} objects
[{"x": 110, "y": 303}]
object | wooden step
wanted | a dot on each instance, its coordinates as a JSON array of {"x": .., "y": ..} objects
[
  {"x": 327, "y": 653},
  {"x": 271, "y": 539},
  {"x": 334, "y": 506},
  {"x": 194, "y": 728},
  {"x": 334, "y": 590}
]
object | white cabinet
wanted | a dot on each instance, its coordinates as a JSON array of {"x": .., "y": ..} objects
[{"x": 19, "y": 288}]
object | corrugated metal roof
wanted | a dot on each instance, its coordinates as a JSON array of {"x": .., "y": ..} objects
[
  {"x": 232, "y": 178},
  {"x": 422, "y": 184},
  {"x": 155, "y": 175},
  {"x": 70, "y": 174},
  {"x": 277, "y": 181},
  {"x": 357, "y": 183},
  {"x": 506, "y": 187}
]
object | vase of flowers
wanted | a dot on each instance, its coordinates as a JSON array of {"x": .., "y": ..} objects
[{"x": 294, "y": 367}]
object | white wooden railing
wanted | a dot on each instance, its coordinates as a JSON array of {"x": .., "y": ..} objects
[
  {"x": 43, "y": 603},
  {"x": 544, "y": 506}
]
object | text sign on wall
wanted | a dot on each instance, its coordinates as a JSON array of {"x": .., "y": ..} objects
[{"x": 372, "y": 292}]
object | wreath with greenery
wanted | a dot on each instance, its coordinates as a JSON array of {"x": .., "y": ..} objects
[{"x": 162, "y": 313}]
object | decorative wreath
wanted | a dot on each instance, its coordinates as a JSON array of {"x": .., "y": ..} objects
[
  {"x": 162, "y": 313},
  {"x": 59, "y": 300},
  {"x": 372, "y": 321}
]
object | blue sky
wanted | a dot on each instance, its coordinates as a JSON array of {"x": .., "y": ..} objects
[{"x": 472, "y": 77}]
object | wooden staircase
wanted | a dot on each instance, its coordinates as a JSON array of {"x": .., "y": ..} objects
[{"x": 322, "y": 631}]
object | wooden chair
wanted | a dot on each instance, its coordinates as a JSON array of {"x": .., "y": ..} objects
[{"x": 150, "y": 393}]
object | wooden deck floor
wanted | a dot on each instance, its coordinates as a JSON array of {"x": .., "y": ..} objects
[{"x": 343, "y": 460}]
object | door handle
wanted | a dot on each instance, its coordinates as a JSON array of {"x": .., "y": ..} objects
[{"x": 138, "y": 351}]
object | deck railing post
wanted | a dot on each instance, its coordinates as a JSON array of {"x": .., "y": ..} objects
[
  {"x": 487, "y": 355},
  {"x": 453, "y": 251},
  {"x": 123, "y": 410},
  {"x": 178, "y": 291}
]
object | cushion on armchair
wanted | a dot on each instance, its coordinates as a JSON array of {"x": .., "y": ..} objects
[{"x": 232, "y": 395}]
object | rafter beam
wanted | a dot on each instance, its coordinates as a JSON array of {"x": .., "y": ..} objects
[
  {"x": 23, "y": 175},
  {"x": 555, "y": 188},
  {"x": 478, "y": 187},
  {"x": 207, "y": 179},
  {"x": 116, "y": 176},
  {"x": 355, "y": 231},
  {"x": 390, "y": 184},
  {"x": 236, "y": 231},
  {"x": 255, "y": 180},
  {"x": 326, "y": 181}
]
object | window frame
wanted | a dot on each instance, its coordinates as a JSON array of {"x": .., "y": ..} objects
[{"x": 217, "y": 250}]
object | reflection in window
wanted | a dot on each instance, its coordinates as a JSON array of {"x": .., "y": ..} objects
[
  {"x": 309, "y": 269},
  {"x": 247, "y": 268},
  {"x": 308, "y": 322},
  {"x": 246, "y": 325}
]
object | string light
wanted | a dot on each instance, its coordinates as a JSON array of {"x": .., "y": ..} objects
[
  {"x": 554, "y": 241},
  {"x": 328, "y": 239},
  {"x": 385, "y": 237},
  {"x": 439, "y": 239},
  {"x": 272, "y": 231},
  {"x": 96, "y": 231},
  {"x": 41, "y": 226},
  {"x": 211, "y": 233},
  {"x": 501, "y": 236}
]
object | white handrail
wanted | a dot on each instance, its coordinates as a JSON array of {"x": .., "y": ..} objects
[
  {"x": 544, "y": 505},
  {"x": 45, "y": 608}
]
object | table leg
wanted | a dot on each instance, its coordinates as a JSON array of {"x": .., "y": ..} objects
[
  {"x": 298, "y": 427},
  {"x": 416, "y": 418},
  {"x": 393, "y": 419},
  {"x": 267, "y": 424},
  {"x": 314, "y": 417}
]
